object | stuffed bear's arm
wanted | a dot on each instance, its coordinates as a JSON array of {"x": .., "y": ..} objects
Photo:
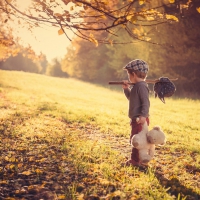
[{"x": 139, "y": 142}]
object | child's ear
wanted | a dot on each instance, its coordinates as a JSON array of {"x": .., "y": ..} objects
[{"x": 129, "y": 71}]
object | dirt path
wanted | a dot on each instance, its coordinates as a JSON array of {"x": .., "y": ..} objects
[{"x": 120, "y": 144}]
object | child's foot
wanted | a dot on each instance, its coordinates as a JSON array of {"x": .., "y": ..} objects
[
  {"x": 131, "y": 163},
  {"x": 144, "y": 164}
]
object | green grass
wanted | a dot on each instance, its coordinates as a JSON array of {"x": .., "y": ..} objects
[{"x": 67, "y": 139}]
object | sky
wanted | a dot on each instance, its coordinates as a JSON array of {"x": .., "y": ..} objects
[
  {"x": 42, "y": 39},
  {"x": 45, "y": 40}
]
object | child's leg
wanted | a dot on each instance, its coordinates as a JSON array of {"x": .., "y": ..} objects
[{"x": 135, "y": 129}]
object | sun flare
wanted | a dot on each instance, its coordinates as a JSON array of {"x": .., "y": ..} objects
[{"x": 23, "y": 5}]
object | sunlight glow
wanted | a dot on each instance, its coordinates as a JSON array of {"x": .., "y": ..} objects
[
  {"x": 23, "y": 5},
  {"x": 42, "y": 39}
]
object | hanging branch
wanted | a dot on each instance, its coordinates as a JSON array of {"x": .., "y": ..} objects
[{"x": 107, "y": 18}]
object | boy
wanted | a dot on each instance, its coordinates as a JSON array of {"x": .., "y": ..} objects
[{"x": 139, "y": 104}]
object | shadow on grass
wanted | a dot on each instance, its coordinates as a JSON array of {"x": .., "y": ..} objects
[
  {"x": 176, "y": 188},
  {"x": 192, "y": 169},
  {"x": 31, "y": 168}
]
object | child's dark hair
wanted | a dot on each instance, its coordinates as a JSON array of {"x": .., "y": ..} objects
[{"x": 138, "y": 73}]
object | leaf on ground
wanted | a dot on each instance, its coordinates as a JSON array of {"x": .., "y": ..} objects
[{"x": 27, "y": 173}]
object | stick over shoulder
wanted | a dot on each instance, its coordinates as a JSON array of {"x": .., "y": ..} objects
[{"x": 147, "y": 80}]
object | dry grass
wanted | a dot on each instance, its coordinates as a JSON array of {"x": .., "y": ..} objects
[{"x": 66, "y": 139}]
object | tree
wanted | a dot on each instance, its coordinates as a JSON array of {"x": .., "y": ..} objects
[
  {"x": 84, "y": 60},
  {"x": 7, "y": 44},
  {"x": 87, "y": 62},
  {"x": 44, "y": 64},
  {"x": 20, "y": 63},
  {"x": 177, "y": 51},
  {"x": 55, "y": 69},
  {"x": 85, "y": 18},
  {"x": 24, "y": 59}
]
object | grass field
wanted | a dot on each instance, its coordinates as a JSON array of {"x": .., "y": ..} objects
[{"x": 67, "y": 139}]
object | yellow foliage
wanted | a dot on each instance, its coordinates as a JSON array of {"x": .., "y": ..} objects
[
  {"x": 66, "y": 1},
  {"x": 198, "y": 9},
  {"x": 38, "y": 171},
  {"x": 147, "y": 38},
  {"x": 80, "y": 197},
  {"x": 172, "y": 17},
  {"x": 141, "y": 2},
  {"x": 136, "y": 31},
  {"x": 27, "y": 173},
  {"x": 61, "y": 196},
  {"x": 12, "y": 166},
  {"x": 78, "y": 4},
  {"x": 2, "y": 52},
  {"x": 103, "y": 17},
  {"x": 128, "y": 17},
  {"x": 171, "y": 1},
  {"x": 111, "y": 42},
  {"x": 104, "y": 181},
  {"x": 118, "y": 21},
  {"x": 60, "y": 32},
  {"x": 58, "y": 15},
  {"x": 134, "y": 19},
  {"x": 20, "y": 165},
  {"x": 93, "y": 40},
  {"x": 150, "y": 18},
  {"x": 114, "y": 194},
  {"x": 4, "y": 182}
]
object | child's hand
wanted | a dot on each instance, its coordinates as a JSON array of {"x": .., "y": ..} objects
[
  {"x": 141, "y": 120},
  {"x": 125, "y": 85}
]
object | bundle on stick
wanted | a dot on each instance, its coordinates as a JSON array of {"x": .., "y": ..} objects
[
  {"x": 163, "y": 87},
  {"x": 147, "y": 80}
]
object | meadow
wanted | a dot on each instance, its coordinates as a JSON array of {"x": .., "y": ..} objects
[{"x": 68, "y": 139}]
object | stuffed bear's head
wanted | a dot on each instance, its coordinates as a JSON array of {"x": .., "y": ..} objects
[{"x": 156, "y": 136}]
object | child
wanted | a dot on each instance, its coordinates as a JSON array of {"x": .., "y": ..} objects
[{"x": 138, "y": 96}]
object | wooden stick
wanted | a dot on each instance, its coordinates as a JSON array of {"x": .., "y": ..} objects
[
  {"x": 147, "y": 80},
  {"x": 118, "y": 83}
]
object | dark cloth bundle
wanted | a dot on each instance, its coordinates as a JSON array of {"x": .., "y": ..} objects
[{"x": 164, "y": 88}]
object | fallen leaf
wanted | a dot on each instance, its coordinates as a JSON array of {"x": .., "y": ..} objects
[{"x": 27, "y": 173}]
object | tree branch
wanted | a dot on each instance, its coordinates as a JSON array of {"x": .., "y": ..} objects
[{"x": 75, "y": 21}]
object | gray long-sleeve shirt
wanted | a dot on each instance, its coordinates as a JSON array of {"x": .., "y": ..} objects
[{"x": 138, "y": 97}]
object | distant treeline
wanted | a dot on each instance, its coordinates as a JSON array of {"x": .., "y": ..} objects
[
  {"x": 187, "y": 85},
  {"x": 21, "y": 62}
]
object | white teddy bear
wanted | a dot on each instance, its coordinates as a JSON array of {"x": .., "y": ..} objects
[{"x": 145, "y": 142}]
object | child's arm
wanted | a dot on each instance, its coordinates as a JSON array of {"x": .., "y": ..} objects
[
  {"x": 126, "y": 89},
  {"x": 144, "y": 98}
]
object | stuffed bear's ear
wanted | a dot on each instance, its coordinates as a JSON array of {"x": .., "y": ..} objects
[
  {"x": 163, "y": 143},
  {"x": 157, "y": 128}
]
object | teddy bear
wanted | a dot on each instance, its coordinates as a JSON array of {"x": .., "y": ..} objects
[{"x": 145, "y": 142}]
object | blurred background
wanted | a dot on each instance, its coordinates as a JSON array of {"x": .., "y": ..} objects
[{"x": 173, "y": 51}]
